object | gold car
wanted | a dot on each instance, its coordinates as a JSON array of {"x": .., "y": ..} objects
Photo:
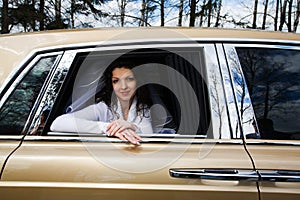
[{"x": 224, "y": 108}]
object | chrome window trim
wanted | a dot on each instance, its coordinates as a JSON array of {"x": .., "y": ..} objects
[
  {"x": 269, "y": 46},
  {"x": 24, "y": 71},
  {"x": 244, "y": 130},
  {"x": 63, "y": 59},
  {"x": 147, "y": 139},
  {"x": 224, "y": 70}
]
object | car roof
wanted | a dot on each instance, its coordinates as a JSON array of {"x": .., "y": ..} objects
[{"x": 15, "y": 47}]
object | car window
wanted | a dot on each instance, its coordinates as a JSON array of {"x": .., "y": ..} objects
[
  {"x": 175, "y": 81},
  {"x": 272, "y": 77},
  {"x": 16, "y": 109}
]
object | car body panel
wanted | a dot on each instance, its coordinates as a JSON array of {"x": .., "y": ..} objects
[
  {"x": 274, "y": 156},
  {"x": 7, "y": 145},
  {"x": 60, "y": 168}
]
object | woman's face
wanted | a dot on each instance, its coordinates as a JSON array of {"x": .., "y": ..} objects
[{"x": 124, "y": 83}]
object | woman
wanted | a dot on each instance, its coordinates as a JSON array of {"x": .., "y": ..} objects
[{"x": 121, "y": 111}]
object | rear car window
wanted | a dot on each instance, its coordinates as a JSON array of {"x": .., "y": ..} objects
[{"x": 272, "y": 76}]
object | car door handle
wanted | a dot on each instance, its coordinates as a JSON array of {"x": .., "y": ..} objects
[
  {"x": 216, "y": 174},
  {"x": 280, "y": 175}
]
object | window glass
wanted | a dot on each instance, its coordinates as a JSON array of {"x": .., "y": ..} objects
[
  {"x": 15, "y": 111},
  {"x": 272, "y": 77},
  {"x": 177, "y": 93}
]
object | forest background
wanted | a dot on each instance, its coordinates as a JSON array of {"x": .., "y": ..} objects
[{"x": 38, "y": 15}]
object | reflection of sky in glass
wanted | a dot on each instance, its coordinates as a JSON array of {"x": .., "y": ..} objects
[{"x": 276, "y": 74}]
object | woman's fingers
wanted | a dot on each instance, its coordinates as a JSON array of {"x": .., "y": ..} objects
[
  {"x": 129, "y": 135},
  {"x": 119, "y": 126},
  {"x": 113, "y": 129}
]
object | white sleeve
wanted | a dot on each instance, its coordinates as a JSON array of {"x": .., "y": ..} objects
[{"x": 92, "y": 119}]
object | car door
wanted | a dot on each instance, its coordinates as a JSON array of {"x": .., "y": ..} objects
[
  {"x": 272, "y": 76},
  {"x": 197, "y": 149}
]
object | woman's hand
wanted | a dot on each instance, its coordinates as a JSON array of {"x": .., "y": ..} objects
[{"x": 124, "y": 130}]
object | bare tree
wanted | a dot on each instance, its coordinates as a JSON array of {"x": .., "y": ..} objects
[
  {"x": 276, "y": 15},
  {"x": 202, "y": 13},
  {"x": 265, "y": 14},
  {"x": 180, "y": 15},
  {"x": 144, "y": 12},
  {"x": 57, "y": 7},
  {"x": 283, "y": 15},
  {"x": 42, "y": 15},
  {"x": 219, "y": 6},
  {"x": 193, "y": 5},
  {"x": 4, "y": 17},
  {"x": 122, "y": 6},
  {"x": 296, "y": 22},
  {"x": 255, "y": 14},
  {"x": 289, "y": 24},
  {"x": 162, "y": 12}
]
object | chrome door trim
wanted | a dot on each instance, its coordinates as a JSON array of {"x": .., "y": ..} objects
[
  {"x": 279, "y": 175},
  {"x": 216, "y": 174}
]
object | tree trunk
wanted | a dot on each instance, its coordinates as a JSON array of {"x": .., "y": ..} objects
[
  {"x": 72, "y": 13},
  {"x": 265, "y": 14},
  {"x": 42, "y": 15},
  {"x": 255, "y": 14},
  {"x": 192, "y": 13},
  {"x": 210, "y": 9},
  {"x": 58, "y": 10},
  {"x": 180, "y": 13},
  {"x": 276, "y": 15},
  {"x": 283, "y": 15},
  {"x": 4, "y": 19},
  {"x": 162, "y": 12},
  {"x": 289, "y": 24},
  {"x": 122, "y": 11},
  {"x": 143, "y": 13},
  {"x": 218, "y": 13},
  {"x": 296, "y": 22},
  {"x": 202, "y": 13}
]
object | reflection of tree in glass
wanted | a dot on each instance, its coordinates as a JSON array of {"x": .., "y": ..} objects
[
  {"x": 217, "y": 107},
  {"x": 15, "y": 111},
  {"x": 270, "y": 78},
  {"x": 240, "y": 86}
]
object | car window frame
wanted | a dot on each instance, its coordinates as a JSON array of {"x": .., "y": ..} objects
[
  {"x": 151, "y": 45},
  {"x": 281, "y": 45}
]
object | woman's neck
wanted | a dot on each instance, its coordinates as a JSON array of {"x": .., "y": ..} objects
[{"x": 125, "y": 107}]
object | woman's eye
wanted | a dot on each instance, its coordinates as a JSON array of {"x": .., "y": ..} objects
[
  {"x": 115, "y": 81},
  {"x": 130, "y": 79}
]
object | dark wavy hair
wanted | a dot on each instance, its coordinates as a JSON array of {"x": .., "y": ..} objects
[{"x": 106, "y": 92}]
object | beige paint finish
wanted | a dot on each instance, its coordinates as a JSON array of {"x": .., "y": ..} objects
[
  {"x": 281, "y": 156},
  {"x": 71, "y": 170},
  {"x": 7, "y": 145}
]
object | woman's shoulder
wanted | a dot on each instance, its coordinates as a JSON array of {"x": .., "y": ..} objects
[{"x": 101, "y": 104}]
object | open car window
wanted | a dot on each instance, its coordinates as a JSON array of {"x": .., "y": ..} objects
[{"x": 175, "y": 81}]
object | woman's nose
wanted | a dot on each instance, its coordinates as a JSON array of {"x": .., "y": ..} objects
[{"x": 123, "y": 84}]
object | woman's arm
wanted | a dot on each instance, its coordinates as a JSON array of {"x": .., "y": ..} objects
[{"x": 92, "y": 119}]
